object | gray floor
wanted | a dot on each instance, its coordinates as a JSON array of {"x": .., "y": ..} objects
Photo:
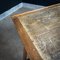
[{"x": 11, "y": 47}]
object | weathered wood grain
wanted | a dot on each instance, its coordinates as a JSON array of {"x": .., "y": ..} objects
[{"x": 43, "y": 29}]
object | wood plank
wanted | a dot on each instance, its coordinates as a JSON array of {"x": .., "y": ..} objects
[
  {"x": 30, "y": 48},
  {"x": 39, "y": 30}
]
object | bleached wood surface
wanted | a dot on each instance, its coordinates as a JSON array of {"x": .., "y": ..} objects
[{"x": 43, "y": 28}]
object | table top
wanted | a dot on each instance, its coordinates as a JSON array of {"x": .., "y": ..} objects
[{"x": 43, "y": 28}]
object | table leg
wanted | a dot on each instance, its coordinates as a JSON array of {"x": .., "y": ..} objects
[{"x": 24, "y": 54}]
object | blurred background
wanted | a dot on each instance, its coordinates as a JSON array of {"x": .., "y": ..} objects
[
  {"x": 7, "y": 4},
  {"x": 11, "y": 47}
]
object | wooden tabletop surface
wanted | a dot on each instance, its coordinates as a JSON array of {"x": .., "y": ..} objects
[{"x": 42, "y": 26}]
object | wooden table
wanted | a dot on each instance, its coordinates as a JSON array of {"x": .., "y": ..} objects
[{"x": 40, "y": 32}]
